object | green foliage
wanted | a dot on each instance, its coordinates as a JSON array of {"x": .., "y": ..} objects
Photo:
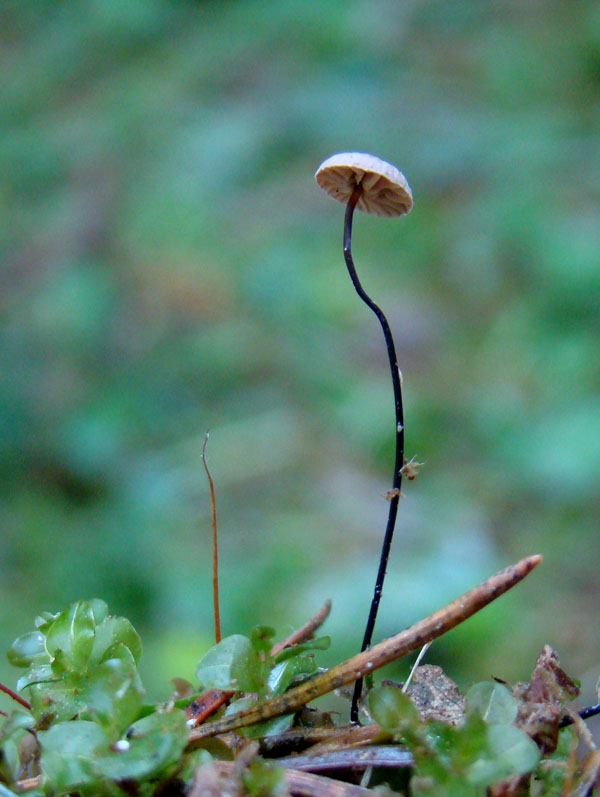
[
  {"x": 261, "y": 778},
  {"x": 89, "y": 730},
  {"x": 241, "y": 664},
  {"x": 459, "y": 760},
  {"x": 493, "y": 702},
  {"x": 79, "y": 755},
  {"x": 556, "y": 771},
  {"x": 87, "y": 707},
  {"x": 76, "y": 659},
  {"x": 88, "y": 714}
]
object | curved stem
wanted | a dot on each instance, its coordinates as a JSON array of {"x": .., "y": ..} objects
[{"x": 399, "y": 458}]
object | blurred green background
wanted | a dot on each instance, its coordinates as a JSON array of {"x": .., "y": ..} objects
[{"x": 169, "y": 265}]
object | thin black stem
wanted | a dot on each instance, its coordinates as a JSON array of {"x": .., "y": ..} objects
[
  {"x": 399, "y": 459},
  {"x": 585, "y": 713}
]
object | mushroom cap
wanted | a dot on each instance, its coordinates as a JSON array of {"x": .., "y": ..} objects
[{"x": 385, "y": 190}]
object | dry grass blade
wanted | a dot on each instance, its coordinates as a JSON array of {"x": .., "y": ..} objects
[{"x": 383, "y": 653}]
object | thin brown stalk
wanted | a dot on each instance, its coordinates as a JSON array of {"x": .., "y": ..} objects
[
  {"x": 305, "y": 632},
  {"x": 383, "y": 653},
  {"x": 215, "y": 557}
]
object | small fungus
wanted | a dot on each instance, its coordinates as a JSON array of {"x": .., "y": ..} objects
[
  {"x": 374, "y": 186},
  {"x": 385, "y": 191}
]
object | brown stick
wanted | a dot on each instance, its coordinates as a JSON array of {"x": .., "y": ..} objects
[
  {"x": 319, "y": 739},
  {"x": 305, "y": 631},
  {"x": 304, "y": 784},
  {"x": 383, "y": 653},
  {"x": 358, "y": 758},
  {"x": 215, "y": 557}
]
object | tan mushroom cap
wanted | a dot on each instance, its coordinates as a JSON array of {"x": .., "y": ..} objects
[{"x": 385, "y": 190}]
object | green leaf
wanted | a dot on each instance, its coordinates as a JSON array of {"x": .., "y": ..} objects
[
  {"x": 16, "y": 721},
  {"x": 392, "y": 709},
  {"x": 493, "y": 702},
  {"x": 26, "y": 648},
  {"x": 153, "y": 744},
  {"x": 113, "y": 696},
  {"x": 466, "y": 743},
  {"x": 261, "y": 638},
  {"x": 63, "y": 697},
  {"x": 70, "y": 638},
  {"x": 99, "y": 610},
  {"x": 262, "y": 777},
  {"x": 272, "y": 727},
  {"x": 513, "y": 748},
  {"x": 44, "y": 620},
  {"x": 35, "y": 675},
  {"x": 79, "y": 756},
  {"x": 69, "y": 754},
  {"x": 320, "y": 643},
  {"x": 13, "y": 730},
  {"x": 4, "y": 792},
  {"x": 507, "y": 751},
  {"x": 260, "y": 729},
  {"x": 284, "y": 673},
  {"x": 233, "y": 664},
  {"x": 115, "y": 631},
  {"x": 71, "y": 694}
]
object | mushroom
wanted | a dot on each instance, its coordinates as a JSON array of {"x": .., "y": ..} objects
[
  {"x": 365, "y": 182},
  {"x": 385, "y": 191}
]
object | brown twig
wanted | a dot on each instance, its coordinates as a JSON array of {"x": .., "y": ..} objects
[
  {"x": 215, "y": 557},
  {"x": 15, "y": 696},
  {"x": 304, "y": 784},
  {"x": 383, "y": 653},
  {"x": 318, "y": 740},
  {"x": 305, "y": 632},
  {"x": 357, "y": 758},
  {"x": 298, "y": 738}
]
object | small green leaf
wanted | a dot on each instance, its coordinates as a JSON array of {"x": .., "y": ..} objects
[
  {"x": 70, "y": 638},
  {"x": 284, "y": 673},
  {"x": 44, "y": 620},
  {"x": 391, "y": 708},
  {"x": 16, "y": 721},
  {"x": 63, "y": 697},
  {"x": 232, "y": 664},
  {"x": 320, "y": 643},
  {"x": 262, "y": 777},
  {"x": 115, "y": 631},
  {"x": 79, "y": 756},
  {"x": 113, "y": 696},
  {"x": 261, "y": 638},
  {"x": 99, "y": 610},
  {"x": 153, "y": 744},
  {"x": 69, "y": 754},
  {"x": 26, "y": 648},
  {"x": 512, "y": 746},
  {"x": 272, "y": 727},
  {"x": 41, "y": 674},
  {"x": 260, "y": 729},
  {"x": 13, "y": 730},
  {"x": 493, "y": 702}
]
